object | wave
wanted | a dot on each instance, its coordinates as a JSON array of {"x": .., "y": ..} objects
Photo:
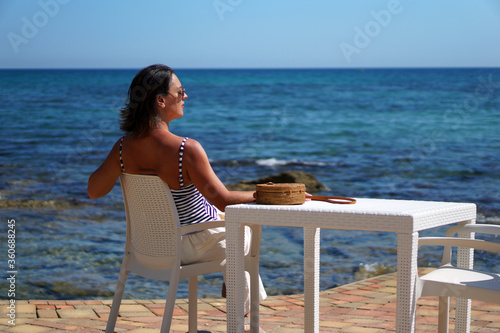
[
  {"x": 274, "y": 162},
  {"x": 271, "y": 162}
]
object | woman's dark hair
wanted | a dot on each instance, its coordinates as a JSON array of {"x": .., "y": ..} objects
[{"x": 138, "y": 116}]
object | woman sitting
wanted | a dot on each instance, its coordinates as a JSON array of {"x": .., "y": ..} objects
[{"x": 155, "y": 98}]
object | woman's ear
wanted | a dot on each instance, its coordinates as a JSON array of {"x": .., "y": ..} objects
[{"x": 161, "y": 101}]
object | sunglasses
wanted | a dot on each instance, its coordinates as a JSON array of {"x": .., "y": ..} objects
[{"x": 180, "y": 94}]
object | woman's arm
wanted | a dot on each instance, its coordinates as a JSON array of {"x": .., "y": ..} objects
[
  {"x": 104, "y": 178},
  {"x": 206, "y": 181}
]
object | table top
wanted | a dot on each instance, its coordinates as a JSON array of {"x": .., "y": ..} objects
[{"x": 400, "y": 216}]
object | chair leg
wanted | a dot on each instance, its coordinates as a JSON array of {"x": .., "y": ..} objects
[
  {"x": 193, "y": 304},
  {"x": 117, "y": 298},
  {"x": 444, "y": 314},
  {"x": 169, "y": 306}
]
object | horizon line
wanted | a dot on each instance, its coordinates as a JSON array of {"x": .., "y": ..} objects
[{"x": 253, "y": 68}]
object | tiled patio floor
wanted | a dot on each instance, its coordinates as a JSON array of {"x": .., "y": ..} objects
[{"x": 364, "y": 306}]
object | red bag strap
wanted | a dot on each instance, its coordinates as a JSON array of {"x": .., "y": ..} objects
[{"x": 337, "y": 200}]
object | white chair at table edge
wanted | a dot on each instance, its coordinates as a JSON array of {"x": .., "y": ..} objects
[
  {"x": 449, "y": 281},
  {"x": 152, "y": 247}
]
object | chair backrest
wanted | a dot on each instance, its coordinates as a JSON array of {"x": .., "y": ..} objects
[
  {"x": 152, "y": 220},
  {"x": 461, "y": 281},
  {"x": 469, "y": 229}
]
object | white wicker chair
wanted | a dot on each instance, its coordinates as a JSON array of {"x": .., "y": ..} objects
[
  {"x": 152, "y": 248},
  {"x": 450, "y": 281}
]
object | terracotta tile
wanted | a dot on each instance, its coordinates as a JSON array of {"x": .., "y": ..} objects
[{"x": 364, "y": 306}]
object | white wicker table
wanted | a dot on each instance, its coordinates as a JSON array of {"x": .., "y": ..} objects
[{"x": 404, "y": 217}]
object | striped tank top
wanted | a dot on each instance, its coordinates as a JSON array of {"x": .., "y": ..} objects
[{"x": 192, "y": 207}]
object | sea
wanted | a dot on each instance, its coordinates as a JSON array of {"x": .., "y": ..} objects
[{"x": 417, "y": 134}]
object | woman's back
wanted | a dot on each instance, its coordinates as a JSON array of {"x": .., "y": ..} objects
[
  {"x": 156, "y": 154},
  {"x": 192, "y": 207}
]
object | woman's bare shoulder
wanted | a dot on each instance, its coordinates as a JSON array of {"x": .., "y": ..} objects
[
  {"x": 193, "y": 144},
  {"x": 194, "y": 149}
]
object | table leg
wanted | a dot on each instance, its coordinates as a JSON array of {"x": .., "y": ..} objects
[
  {"x": 235, "y": 277},
  {"x": 465, "y": 259},
  {"x": 253, "y": 262},
  {"x": 311, "y": 279},
  {"x": 407, "y": 276}
]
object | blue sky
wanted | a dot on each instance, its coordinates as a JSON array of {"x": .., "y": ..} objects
[{"x": 249, "y": 33}]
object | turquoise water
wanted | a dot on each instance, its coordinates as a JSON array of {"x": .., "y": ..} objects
[{"x": 420, "y": 134}]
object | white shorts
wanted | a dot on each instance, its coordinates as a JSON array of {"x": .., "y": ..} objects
[{"x": 210, "y": 244}]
